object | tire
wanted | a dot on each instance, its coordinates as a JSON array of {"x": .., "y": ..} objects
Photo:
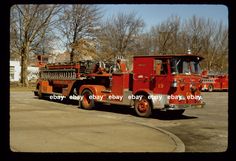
[
  {"x": 40, "y": 95},
  {"x": 210, "y": 88},
  {"x": 87, "y": 103},
  {"x": 143, "y": 107}
]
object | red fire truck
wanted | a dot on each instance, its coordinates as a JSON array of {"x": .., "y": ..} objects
[
  {"x": 164, "y": 82},
  {"x": 41, "y": 60},
  {"x": 214, "y": 82}
]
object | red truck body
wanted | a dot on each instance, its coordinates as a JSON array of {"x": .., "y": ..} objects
[
  {"x": 164, "y": 82},
  {"x": 214, "y": 82}
]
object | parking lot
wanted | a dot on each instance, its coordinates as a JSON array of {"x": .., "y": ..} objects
[{"x": 201, "y": 130}]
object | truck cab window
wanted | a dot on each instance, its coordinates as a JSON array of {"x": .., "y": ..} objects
[
  {"x": 164, "y": 69},
  {"x": 161, "y": 67}
]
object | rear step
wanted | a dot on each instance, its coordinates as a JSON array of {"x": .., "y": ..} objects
[{"x": 36, "y": 93}]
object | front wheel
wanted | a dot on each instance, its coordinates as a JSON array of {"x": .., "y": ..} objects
[
  {"x": 143, "y": 107},
  {"x": 87, "y": 102}
]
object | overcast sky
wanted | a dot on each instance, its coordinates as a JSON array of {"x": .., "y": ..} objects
[{"x": 154, "y": 14}]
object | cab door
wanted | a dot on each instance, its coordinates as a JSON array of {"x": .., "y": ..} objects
[{"x": 162, "y": 81}]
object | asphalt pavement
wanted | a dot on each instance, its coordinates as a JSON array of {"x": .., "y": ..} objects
[{"x": 46, "y": 126}]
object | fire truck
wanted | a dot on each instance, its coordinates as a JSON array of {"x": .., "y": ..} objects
[
  {"x": 41, "y": 60},
  {"x": 213, "y": 82},
  {"x": 163, "y": 83}
]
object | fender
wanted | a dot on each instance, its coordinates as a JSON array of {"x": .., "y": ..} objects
[
  {"x": 96, "y": 89},
  {"x": 159, "y": 101}
]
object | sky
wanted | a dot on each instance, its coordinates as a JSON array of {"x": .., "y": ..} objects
[{"x": 156, "y": 13}]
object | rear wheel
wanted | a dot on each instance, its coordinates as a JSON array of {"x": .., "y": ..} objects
[
  {"x": 87, "y": 102},
  {"x": 40, "y": 95},
  {"x": 143, "y": 107},
  {"x": 210, "y": 88}
]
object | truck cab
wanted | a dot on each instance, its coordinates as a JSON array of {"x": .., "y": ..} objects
[{"x": 167, "y": 82}]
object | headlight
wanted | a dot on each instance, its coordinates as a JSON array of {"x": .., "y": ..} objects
[{"x": 174, "y": 83}]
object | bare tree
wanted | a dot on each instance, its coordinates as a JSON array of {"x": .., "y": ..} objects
[
  {"x": 165, "y": 35},
  {"x": 85, "y": 48},
  {"x": 145, "y": 44},
  {"x": 118, "y": 34},
  {"x": 47, "y": 45},
  {"x": 217, "y": 54},
  {"x": 195, "y": 29},
  {"x": 203, "y": 36},
  {"x": 78, "y": 22},
  {"x": 209, "y": 39},
  {"x": 29, "y": 25}
]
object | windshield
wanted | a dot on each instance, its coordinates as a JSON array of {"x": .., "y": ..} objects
[{"x": 182, "y": 66}]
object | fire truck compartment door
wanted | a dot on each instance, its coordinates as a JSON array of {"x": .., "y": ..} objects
[{"x": 142, "y": 73}]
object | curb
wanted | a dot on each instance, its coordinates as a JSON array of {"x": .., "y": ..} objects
[{"x": 180, "y": 146}]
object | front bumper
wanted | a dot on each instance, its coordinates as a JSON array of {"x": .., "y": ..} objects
[
  {"x": 183, "y": 106},
  {"x": 162, "y": 103}
]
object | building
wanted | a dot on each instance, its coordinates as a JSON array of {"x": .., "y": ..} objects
[
  {"x": 62, "y": 57},
  {"x": 15, "y": 71}
]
